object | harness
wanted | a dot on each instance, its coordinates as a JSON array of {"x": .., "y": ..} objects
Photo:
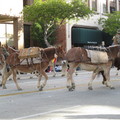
[{"x": 5, "y": 53}]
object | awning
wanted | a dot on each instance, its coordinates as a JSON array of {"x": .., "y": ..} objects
[{"x": 86, "y": 36}]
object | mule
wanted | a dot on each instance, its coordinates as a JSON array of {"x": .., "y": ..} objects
[
  {"x": 15, "y": 64},
  {"x": 3, "y": 56},
  {"x": 117, "y": 64},
  {"x": 78, "y": 56}
]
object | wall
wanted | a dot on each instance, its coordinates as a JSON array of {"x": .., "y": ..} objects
[
  {"x": 13, "y": 9},
  {"x": 91, "y": 22}
]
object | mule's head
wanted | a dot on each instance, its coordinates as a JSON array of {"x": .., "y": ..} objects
[
  {"x": 60, "y": 52},
  {"x": 114, "y": 51},
  {"x": 10, "y": 49}
]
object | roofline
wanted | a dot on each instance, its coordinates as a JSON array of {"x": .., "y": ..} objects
[{"x": 6, "y": 18}]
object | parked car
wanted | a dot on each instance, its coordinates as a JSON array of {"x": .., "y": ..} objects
[{"x": 58, "y": 68}]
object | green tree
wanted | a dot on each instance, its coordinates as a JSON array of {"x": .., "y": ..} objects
[
  {"x": 37, "y": 35},
  {"x": 54, "y": 12},
  {"x": 111, "y": 23}
]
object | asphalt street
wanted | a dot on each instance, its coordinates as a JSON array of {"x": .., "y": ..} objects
[{"x": 55, "y": 102}]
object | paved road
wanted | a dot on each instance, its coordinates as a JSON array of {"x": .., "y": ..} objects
[{"x": 56, "y": 103}]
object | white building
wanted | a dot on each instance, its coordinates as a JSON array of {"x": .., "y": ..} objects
[
  {"x": 11, "y": 22},
  {"x": 16, "y": 33},
  {"x": 101, "y": 7}
]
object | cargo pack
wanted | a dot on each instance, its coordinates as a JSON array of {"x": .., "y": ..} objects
[{"x": 31, "y": 52}]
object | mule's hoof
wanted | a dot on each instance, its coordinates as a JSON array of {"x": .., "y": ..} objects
[
  {"x": 41, "y": 88},
  {"x": 19, "y": 89},
  {"x": 90, "y": 88},
  {"x": 4, "y": 87},
  {"x": 62, "y": 75},
  {"x": 112, "y": 88},
  {"x": 73, "y": 85},
  {"x": 116, "y": 74},
  {"x": 71, "y": 89},
  {"x": 103, "y": 82},
  {"x": 68, "y": 87}
]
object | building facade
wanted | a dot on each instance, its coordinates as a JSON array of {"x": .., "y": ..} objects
[
  {"x": 15, "y": 32},
  {"x": 101, "y": 7},
  {"x": 11, "y": 22}
]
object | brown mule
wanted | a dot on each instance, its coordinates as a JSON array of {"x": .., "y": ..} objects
[
  {"x": 15, "y": 64},
  {"x": 78, "y": 56}
]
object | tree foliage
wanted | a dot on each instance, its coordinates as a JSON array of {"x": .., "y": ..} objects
[
  {"x": 37, "y": 35},
  {"x": 54, "y": 12},
  {"x": 112, "y": 23}
]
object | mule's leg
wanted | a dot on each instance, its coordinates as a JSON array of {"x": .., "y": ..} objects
[
  {"x": 39, "y": 79},
  {"x": 18, "y": 74},
  {"x": 107, "y": 76},
  {"x": 15, "y": 80},
  {"x": 104, "y": 78},
  {"x": 91, "y": 81},
  {"x": 70, "y": 81},
  {"x": 36, "y": 73},
  {"x": 117, "y": 72},
  {"x": 31, "y": 75},
  {"x": 45, "y": 81},
  {"x": 76, "y": 72},
  {"x": 64, "y": 69},
  {"x": 5, "y": 76},
  {"x": 54, "y": 72}
]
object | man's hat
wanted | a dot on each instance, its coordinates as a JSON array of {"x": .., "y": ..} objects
[{"x": 118, "y": 31}]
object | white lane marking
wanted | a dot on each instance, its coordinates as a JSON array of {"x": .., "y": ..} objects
[
  {"x": 44, "y": 113},
  {"x": 87, "y": 112}
]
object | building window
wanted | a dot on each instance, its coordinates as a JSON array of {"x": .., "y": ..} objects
[
  {"x": 119, "y": 5},
  {"x": 27, "y": 2},
  {"x": 112, "y": 6},
  {"x": 24, "y": 2},
  {"x": 6, "y": 34},
  {"x": 94, "y": 5},
  {"x": 104, "y": 6}
]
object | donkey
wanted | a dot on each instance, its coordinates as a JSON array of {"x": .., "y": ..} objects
[
  {"x": 3, "y": 55},
  {"x": 14, "y": 64},
  {"x": 78, "y": 56}
]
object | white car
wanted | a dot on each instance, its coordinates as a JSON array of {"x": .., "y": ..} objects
[{"x": 58, "y": 68}]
